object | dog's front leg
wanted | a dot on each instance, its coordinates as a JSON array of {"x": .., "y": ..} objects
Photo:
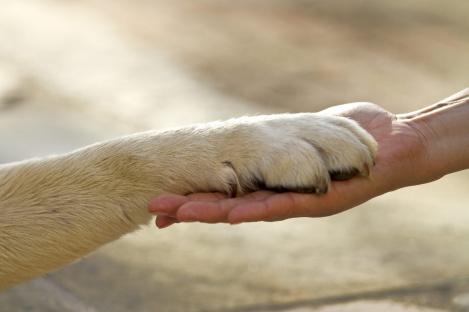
[{"x": 55, "y": 210}]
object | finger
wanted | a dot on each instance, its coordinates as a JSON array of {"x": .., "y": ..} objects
[
  {"x": 164, "y": 221},
  {"x": 273, "y": 207},
  {"x": 205, "y": 211},
  {"x": 206, "y": 196},
  {"x": 342, "y": 195},
  {"x": 286, "y": 205},
  {"x": 167, "y": 204},
  {"x": 215, "y": 211}
]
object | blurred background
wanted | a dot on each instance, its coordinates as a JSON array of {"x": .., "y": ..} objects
[{"x": 75, "y": 72}]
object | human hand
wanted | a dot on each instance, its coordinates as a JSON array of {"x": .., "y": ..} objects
[{"x": 401, "y": 161}]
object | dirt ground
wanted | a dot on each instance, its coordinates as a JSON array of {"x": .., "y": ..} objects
[{"x": 74, "y": 72}]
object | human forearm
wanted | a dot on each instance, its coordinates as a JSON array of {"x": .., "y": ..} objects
[{"x": 445, "y": 130}]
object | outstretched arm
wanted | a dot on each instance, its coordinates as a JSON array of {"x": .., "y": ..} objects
[{"x": 414, "y": 148}]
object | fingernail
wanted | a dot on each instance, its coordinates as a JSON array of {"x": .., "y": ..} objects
[{"x": 163, "y": 226}]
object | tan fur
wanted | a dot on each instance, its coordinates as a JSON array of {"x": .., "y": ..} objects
[{"x": 57, "y": 209}]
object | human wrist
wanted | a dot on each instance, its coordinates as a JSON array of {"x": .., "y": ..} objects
[{"x": 445, "y": 135}]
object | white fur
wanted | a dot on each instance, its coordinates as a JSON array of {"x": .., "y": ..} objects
[{"x": 57, "y": 209}]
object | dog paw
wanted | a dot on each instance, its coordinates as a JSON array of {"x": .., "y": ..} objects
[{"x": 294, "y": 152}]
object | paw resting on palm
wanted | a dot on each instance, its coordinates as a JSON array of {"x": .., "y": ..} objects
[{"x": 293, "y": 152}]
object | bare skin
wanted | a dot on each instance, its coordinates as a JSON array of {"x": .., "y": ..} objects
[{"x": 414, "y": 148}]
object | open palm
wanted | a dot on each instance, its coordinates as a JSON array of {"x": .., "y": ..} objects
[{"x": 400, "y": 162}]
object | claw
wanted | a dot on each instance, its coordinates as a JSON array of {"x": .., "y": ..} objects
[
  {"x": 346, "y": 174},
  {"x": 322, "y": 189},
  {"x": 366, "y": 170}
]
